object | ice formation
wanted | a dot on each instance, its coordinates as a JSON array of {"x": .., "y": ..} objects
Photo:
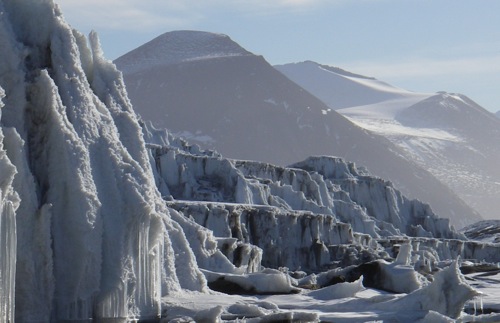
[
  {"x": 321, "y": 185},
  {"x": 103, "y": 218},
  {"x": 9, "y": 202},
  {"x": 94, "y": 238}
]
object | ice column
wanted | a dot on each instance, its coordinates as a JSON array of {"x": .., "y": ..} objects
[
  {"x": 7, "y": 261},
  {"x": 8, "y": 238}
]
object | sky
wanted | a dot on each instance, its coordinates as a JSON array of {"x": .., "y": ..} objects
[{"x": 418, "y": 45}]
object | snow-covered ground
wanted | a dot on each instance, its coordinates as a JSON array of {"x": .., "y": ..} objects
[
  {"x": 381, "y": 118},
  {"x": 349, "y": 303}
]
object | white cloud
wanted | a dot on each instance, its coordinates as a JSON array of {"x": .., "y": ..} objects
[
  {"x": 127, "y": 14},
  {"x": 281, "y": 3},
  {"x": 426, "y": 67},
  {"x": 149, "y": 14}
]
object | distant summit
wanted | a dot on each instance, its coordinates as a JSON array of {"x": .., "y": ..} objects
[
  {"x": 179, "y": 46},
  {"x": 498, "y": 114},
  {"x": 449, "y": 111},
  {"x": 339, "y": 88},
  {"x": 338, "y": 70}
]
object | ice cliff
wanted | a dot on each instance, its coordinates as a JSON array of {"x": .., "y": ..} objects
[
  {"x": 311, "y": 215},
  {"x": 321, "y": 185},
  {"x": 102, "y": 217}
]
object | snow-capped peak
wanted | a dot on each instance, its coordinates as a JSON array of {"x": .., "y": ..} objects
[
  {"x": 342, "y": 89},
  {"x": 179, "y": 46}
]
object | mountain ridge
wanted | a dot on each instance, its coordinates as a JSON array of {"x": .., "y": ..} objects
[{"x": 350, "y": 89}]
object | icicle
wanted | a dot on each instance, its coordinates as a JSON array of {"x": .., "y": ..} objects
[
  {"x": 8, "y": 242},
  {"x": 481, "y": 304},
  {"x": 9, "y": 202}
]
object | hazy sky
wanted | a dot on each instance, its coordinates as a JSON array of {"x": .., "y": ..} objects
[{"x": 419, "y": 45}]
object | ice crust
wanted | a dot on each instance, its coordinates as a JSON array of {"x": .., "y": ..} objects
[{"x": 103, "y": 218}]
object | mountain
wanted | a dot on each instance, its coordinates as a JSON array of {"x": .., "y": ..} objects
[
  {"x": 342, "y": 89},
  {"x": 451, "y": 136},
  {"x": 447, "y": 134},
  {"x": 178, "y": 47},
  {"x": 497, "y": 114},
  {"x": 241, "y": 106},
  {"x": 106, "y": 219}
]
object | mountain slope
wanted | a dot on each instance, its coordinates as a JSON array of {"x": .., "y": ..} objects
[
  {"x": 452, "y": 137},
  {"x": 446, "y": 134},
  {"x": 245, "y": 109}
]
